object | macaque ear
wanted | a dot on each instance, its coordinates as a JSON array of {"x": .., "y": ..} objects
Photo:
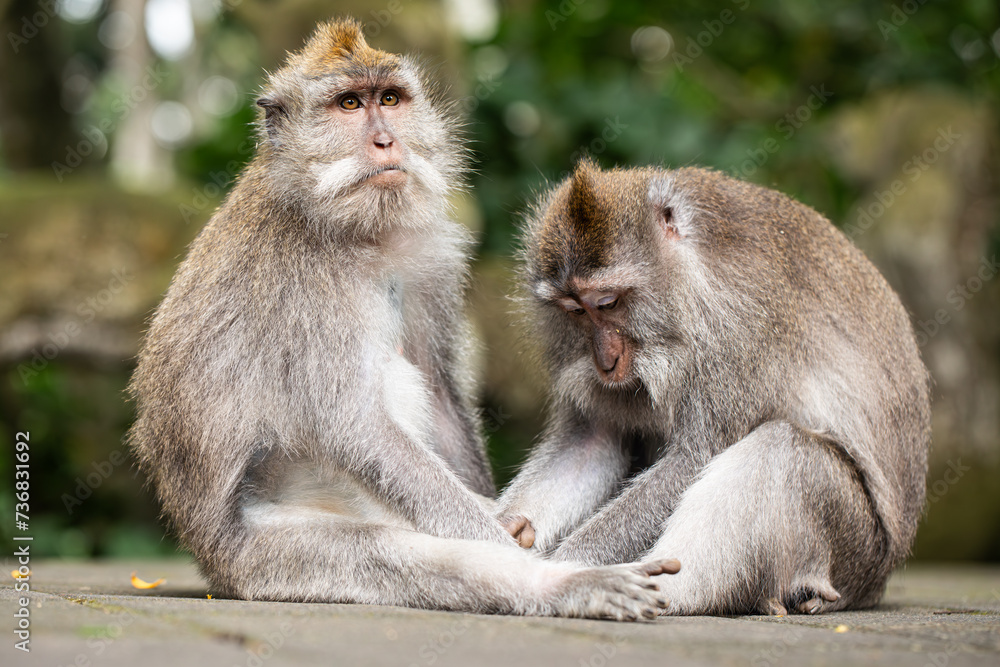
[
  {"x": 275, "y": 112},
  {"x": 665, "y": 218}
]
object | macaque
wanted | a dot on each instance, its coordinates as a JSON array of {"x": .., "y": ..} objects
[
  {"x": 734, "y": 386},
  {"x": 303, "y": 392}
]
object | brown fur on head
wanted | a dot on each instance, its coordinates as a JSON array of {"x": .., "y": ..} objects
[
  {"x": 614, "y": 259},
  {"x": 588, "y": 217},
  {"x": 331, "y": 162},
  {"x": 338, "y": 43}
]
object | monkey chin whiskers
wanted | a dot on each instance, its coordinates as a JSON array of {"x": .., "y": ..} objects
[{"x": 341, "y": 177}]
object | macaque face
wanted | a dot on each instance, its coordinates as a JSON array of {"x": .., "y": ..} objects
[
  {"x": 606, "y": 266},
  {"x": 357, "y": 134},
  {"x": 371, "y": 115},
  {"x": 600, "y": 315},
  {"x": 362, "y": 139},
  {"x": 360, "y": 136}
]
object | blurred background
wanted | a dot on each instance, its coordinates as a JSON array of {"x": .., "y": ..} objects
[{"x": 124, "y": 122}]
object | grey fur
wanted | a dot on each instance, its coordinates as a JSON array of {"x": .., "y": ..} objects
[
  {"x": 303, "y": 392},
  {"x": 779, "y": 412}
]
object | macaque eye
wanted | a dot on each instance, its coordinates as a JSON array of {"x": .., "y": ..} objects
[
  {"x": 350, "y": 102},
  {"x": 389, "y": 99},
  {"x": 607, "y": 303},
  {"x": 571, "y": 306}
]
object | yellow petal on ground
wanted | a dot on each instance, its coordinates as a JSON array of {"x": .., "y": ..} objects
[
  {"x": 208, "y": 597},
  {"x": 139, "y": 583},
  {"x": 18, "y": 575},
  {"x": 841, "y": 628}
]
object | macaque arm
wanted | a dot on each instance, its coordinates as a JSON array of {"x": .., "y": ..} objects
[
  {"x": 564, "y": 481},
  {"x": 458, "y": 440},
  {"x": 630, "y": 524},
  {"x": 423, "y": 490}
]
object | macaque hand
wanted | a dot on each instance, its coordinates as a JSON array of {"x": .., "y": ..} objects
[{"x": 520, "y": 529}]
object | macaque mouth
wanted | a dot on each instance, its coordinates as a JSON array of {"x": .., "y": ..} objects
[
  {"x": 615, "y": 379},
  {"x": 628, "y": 386},
  {"x": 389, "y": 174}
]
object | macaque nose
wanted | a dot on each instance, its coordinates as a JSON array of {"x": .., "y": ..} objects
[
  {"x": 608, "y": 362},
  {"x": 383, "y": 140},
  {"x": 608, "y": 350}
]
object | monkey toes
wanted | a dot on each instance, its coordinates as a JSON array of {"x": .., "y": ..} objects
[
  {"x": 814, "y": 598},
  {"x": 615, "y": 592},
  {"x": 520, "y": 529},
  {"x": 661, "y": 566}
]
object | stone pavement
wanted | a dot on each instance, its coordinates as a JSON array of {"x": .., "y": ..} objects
[{"x": 87, "y": 613}]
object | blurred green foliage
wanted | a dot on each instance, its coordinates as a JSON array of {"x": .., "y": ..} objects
[{"x": 579, "y": 72}]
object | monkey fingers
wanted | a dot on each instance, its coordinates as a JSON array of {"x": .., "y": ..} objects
[{"x": 520, "y": 529}]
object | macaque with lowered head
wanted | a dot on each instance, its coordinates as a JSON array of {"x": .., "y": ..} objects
[
  {"x": 735, "y": 386},
  {"x": 303, "y": 389}
]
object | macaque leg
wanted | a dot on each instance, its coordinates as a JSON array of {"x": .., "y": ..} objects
[
  {"x": 301, "y": 554},
  {"x": 780, "y": 520},
  {"x": 626, "y": 527}
]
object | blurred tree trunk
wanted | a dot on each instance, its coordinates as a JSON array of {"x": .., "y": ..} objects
[
  {"x": 137, "y": 161},
  {"x": 35, "y": 130}
]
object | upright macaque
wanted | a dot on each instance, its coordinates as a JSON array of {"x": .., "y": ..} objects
[
  {"x": 735, "y": 386},
  {"x": 303, "y": 390}
]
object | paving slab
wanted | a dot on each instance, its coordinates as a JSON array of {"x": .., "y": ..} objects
[{"x": 88, "y": 614}]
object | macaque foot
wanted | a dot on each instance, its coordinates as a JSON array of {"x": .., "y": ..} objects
[
  {"x": 771, "y": 607},
  {"x": 520, "y": 529},
  {"x": 813, "y": 598},
  {"x": 614, "y": 592}
]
